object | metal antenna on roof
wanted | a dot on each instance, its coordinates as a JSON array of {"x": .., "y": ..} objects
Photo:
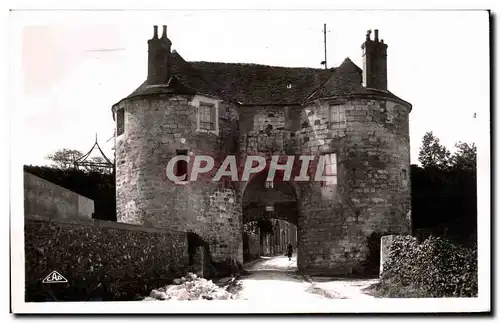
[{"x": 324, "y": 34}]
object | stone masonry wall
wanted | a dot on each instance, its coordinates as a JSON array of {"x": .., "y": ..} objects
[
  {"x": 101, "y": 260},
  {"x": 371, "y": 195},
  {"x": 267, "y": 130},
  {"x": 155, "y": 127}
]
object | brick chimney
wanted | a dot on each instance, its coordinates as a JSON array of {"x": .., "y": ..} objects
[
  {"x": 159, "y": 58},
  {"x": 374, "y": 62}
]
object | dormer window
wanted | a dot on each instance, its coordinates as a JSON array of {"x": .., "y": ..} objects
[{"x": 207, "y": 114}]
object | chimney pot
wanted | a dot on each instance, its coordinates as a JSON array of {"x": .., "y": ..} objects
[
  {"x": 368, "y": 33},
  {"x": 155, "y": 34},
  {"x": 159, "y": 58},
  {"x": 375, "y": 63}
]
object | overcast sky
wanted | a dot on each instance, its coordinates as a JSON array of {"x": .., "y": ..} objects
[{"x": 71, "y": 67}]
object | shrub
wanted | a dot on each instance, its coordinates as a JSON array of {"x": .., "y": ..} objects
[{"x": 433, "y": 268}]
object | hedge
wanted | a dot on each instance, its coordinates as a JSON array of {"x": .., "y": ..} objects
[{"x": 434, "y": 268}]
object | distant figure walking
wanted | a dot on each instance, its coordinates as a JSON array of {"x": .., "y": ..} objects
[{"x": 289, "y": 251}]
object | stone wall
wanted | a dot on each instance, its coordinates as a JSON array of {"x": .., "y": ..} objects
[
  {"x": 101, "y": 260},
  {"x": 269, "y": 130},
  {"x": 155, "y": 127},
  {"x": 43, "y": 198}
]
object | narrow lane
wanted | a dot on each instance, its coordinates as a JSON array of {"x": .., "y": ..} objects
[{"x": 275, "y": 279}]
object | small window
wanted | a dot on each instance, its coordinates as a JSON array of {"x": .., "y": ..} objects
[
  {"x": 404, "y": 177},
  {"x": 337, "y": 115},
  {"x": 207, "y": 116},
  {"x": 181, "y": 167},
  {"x": 120, "y": 122},
  {"x": 330, "y": 170}
]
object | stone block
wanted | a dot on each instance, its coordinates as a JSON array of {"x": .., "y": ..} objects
[{"x": 385, "y": 245}]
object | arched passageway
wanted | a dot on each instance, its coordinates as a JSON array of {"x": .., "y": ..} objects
[{"x": 270, "y": 217}]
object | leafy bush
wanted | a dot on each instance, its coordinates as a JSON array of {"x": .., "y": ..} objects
[{"x": 433, "y": 268}]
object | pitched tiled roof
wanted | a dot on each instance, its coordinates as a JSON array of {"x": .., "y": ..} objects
[
  {"x": 253, "y": 84},
  {"x": 250, "y": 84},
  {"x": 261, "y": 84},
  {"x": 347, "y": 80}
]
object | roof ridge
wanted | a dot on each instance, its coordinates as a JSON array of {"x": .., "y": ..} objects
[
  {"x": 249, "y": 83},
  {"x": 257, "y": 64}
]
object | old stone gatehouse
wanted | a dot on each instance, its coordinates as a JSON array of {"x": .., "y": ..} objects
[{"x": 220, "y": 109}]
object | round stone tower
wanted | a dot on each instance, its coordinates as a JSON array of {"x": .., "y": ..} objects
[
  {"x": 174, "y": 115},
  {"x": 362, "y": 131}
]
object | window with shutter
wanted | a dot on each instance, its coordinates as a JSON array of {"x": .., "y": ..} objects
[{"x": 337, "y": 116}]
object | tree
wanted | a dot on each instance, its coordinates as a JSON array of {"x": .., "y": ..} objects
[
  {"x": 64, "y": 158},
  {"x": 432, "y": 154},
  {"x": 444, "y": 191},
  {"x": 465, "y": 156}
]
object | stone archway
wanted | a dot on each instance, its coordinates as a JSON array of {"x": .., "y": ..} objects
[{"x": 273, "y": 203}]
